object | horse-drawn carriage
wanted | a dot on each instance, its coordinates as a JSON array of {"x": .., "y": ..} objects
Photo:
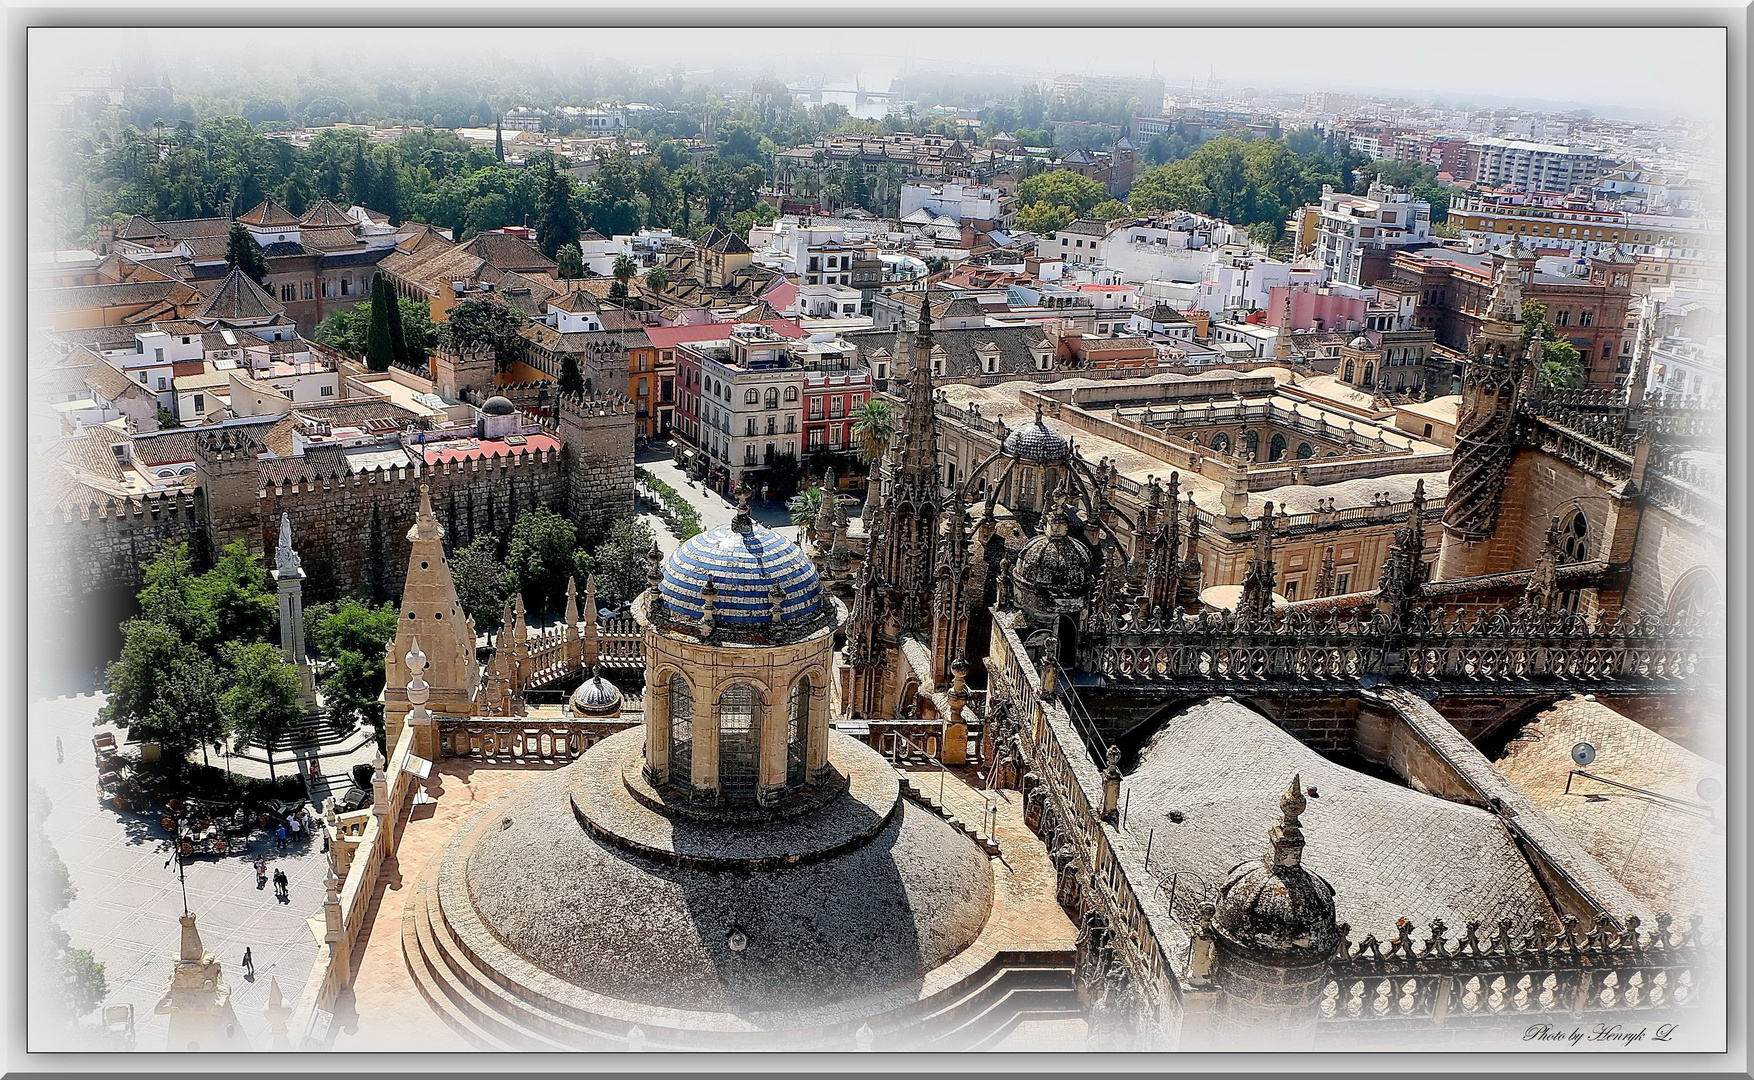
[{"x": 207, "y": 827}]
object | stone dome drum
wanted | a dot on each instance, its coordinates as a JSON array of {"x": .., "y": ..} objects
[
  {"x": 744, "y": 562},
  {"x": 1037, "y": 444}
]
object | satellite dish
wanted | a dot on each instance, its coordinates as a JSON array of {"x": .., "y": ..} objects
[
  {"x": 1709, "y": 789},
  {"x": 1583, "y": 753}
]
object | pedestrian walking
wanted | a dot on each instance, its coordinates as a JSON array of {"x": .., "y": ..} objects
[
  {"x": 249, "y": 962},
  {"x": 292, "y": 822},
  {"x": 261, "y": 871},
  {"x": 280, "y": 839},
  {"x": 60, "y": 751},
  {"x": 764, "y": 493},
  {"x": 281, "y": 884}
]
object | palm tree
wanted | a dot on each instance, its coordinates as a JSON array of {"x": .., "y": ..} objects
[
  {"x": 657, "y": 279},
  {"x": 874, "y": 427},
  {"x": 625, "y": 269},
  {"x": 804, "y": 507}
]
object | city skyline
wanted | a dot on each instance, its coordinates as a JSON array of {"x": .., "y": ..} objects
[{"x": 1643, "y": 73}]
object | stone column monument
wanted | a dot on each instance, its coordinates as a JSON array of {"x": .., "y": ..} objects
[{"x": 289, "y": 576}]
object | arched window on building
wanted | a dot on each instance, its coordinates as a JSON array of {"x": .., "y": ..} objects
[
  {"x": 739, "y": 741},
  {"x": 751, "y": 396},
  {"x": 1694, "y": 595},
  {"x": 681, "y": 731},
  {"x": 791, "y": 393},
  {"x": 1251, "y": 442},
  {"x": 1305, "y": 451},
  {"x": 1221, "y": 443},
  {"x": 1369, "y": 374},
  {"x": 1574, "y": 533},
  {"x": 772, "y": 400},
  {"x": 797, "y": 731},
  {"x": 1347, "y": 375},
  {"x": 1276, "y": 449}
]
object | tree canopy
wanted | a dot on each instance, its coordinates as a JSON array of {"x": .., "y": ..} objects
[{"x": 485, "y": 322}]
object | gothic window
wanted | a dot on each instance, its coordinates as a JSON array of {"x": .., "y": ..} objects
[
  {"x": 1574, "y": 538},
  {"x": 1695, "y": 595},
  {"x": 1276, "y": 449},
  {"x": 1304, "y": 451},
  {"x": 739, "y": 741},
  {"x": 681, "y": 730},
  {"x": 797, "y": 731}
]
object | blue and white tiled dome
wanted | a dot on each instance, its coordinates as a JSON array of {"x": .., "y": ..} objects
[{"x": 743, "y": 565}]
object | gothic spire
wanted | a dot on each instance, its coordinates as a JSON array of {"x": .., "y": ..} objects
[{"x": 1287, "y": 836}]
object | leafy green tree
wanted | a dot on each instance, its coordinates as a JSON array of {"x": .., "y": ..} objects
[
  {"x": 539, "y": 557},
  {"x": 419, "y": 334},
  {"x": 141, "y": 684},
  {"x": 618, "y": 291},
  {"x": 874, "y": 425},
  {"x": 484, "y": 322},
  {"x": 380, "y": 347},
  {"x": 619, "y": 561},
  {"x": 569, "y": 262},
  {"x": 1042, "y": 218},
  {"x": 351, "y": 636},
  {"x": 1061, "y": 189},
  {"x": 169, "y": 597},
  {"x": 1108, "y": 210},
  {"x": 243, "y": 253},
  {"x": 261, "y": 703},
  {"x": 238, "y": 596},
  {"x": 482, "y": 582},
  {"x": 572, "y": 380},
  {"x": 167, "y": 420}
]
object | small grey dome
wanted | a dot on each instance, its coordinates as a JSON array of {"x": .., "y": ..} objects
[
  {"x": 597, "y": 696},
  {"x": 498, "y": 406},
  {"x": 1055, "y": 566},
  {"x": 1274, "y": 904},
  {"x": 1037, "y": 443},
  {"x": 1360, "y": 342}
]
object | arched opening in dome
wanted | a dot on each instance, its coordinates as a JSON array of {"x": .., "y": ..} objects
[
  {"x": 1066, "y": 634},
  {"x": 681, "y": 731},
  {"x": 797, "y": 731},
  {"x": 739, "y": 741}
]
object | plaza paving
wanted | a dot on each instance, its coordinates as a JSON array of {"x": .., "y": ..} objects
[{"x": 128, "y": 903}]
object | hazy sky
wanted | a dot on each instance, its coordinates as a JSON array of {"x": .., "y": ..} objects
[{"x": 1667, "y": 70}]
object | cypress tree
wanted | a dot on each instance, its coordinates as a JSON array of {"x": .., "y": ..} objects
[
  {"x": 498, "y": 143},
  {"x": 243, "y": 253},
  {"x": 398, "y": 341},
  {"x": 572, "y": 381},
  {"x": 378, "y": 348}
]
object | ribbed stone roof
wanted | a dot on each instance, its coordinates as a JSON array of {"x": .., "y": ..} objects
[
  {"x": 743, "y": 564},
  {"x": 597, "y": 696}
]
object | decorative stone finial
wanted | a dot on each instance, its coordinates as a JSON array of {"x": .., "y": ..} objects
[
  {"x": 1287, "y": 836},
  {"x": 654, "y": 566},
  {"x": 742, "y": 522},
  {"x": 776, "y": 599},
  {"x": 709, "y": 597},
  {"x": 418, "y": 690}
]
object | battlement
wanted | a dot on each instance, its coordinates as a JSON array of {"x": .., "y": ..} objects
[{"x": 147, "y": 505}]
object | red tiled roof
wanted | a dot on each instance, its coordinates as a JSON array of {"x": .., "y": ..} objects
[
  {"x": 668, "y": 337},
  {"x": 473, "y": 449}
]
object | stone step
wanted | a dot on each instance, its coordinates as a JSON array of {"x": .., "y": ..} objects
[
  {"x": 975, "y": 995},
  {"x": 541, "y": 1028},
  {"x": 435, "y": 990},
  {"x": 1006, "y": 1011}
]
